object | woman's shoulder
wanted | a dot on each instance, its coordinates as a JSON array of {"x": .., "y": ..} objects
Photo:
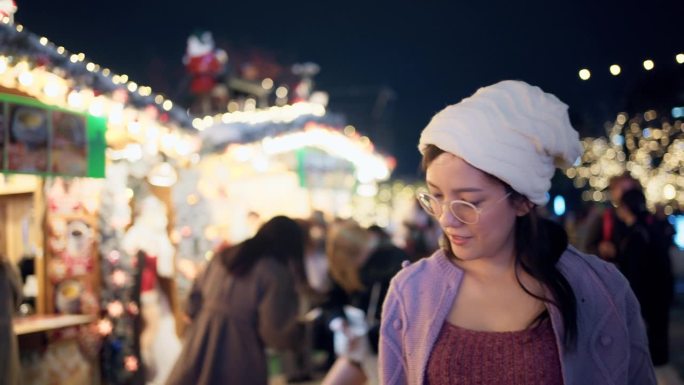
[
  {"x": 589, "y": 272},
  {"x": 425, "y": 272}
]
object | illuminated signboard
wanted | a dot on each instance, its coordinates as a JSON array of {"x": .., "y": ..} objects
[{"x": 46, "y": 140}]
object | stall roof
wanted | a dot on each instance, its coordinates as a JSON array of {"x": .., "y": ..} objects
[{"x": 19, "y": 46}]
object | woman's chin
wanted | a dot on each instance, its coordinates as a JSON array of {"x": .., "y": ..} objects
[{"x": 462, "y": 253}]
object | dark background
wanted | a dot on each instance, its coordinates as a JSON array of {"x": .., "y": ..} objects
[{"x": 389, "y": 66}]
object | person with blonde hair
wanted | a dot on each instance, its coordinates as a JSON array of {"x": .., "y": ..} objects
[
  {"x": 362, "y": 262},
  {"x": 506, "y": 300}
]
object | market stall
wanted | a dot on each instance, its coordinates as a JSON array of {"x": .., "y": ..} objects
[{"x": 86, "y": 155}]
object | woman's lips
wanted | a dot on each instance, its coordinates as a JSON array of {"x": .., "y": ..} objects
[{"x": 458, "y": 240}]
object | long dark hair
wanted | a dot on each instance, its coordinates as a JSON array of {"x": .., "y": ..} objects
[
  {"x": 539, "y": 244},
  {"x": 281, "y": 238}
]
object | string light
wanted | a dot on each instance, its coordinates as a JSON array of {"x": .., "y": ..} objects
[
  {"x": 584, "y": 74},
  {"x": 651, "y": 149},
  {"x": 282, "y": 114},
  {"x": 369, "y": 165},
  {"x": 648, "y": 64},
  {"x": 615, "y": 70}
]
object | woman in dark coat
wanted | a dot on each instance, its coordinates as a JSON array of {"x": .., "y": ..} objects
[
  {"x": 243, "y": 302},
  {"x": 645, "y": 262}
]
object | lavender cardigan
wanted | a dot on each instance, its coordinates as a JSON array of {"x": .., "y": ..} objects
[{"x": 612, "y": 348}]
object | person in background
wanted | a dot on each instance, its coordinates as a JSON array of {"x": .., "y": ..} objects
[
  {"x": 244, "y": 301},
  {"x": 506, "y": 300},
  {"x": 362, "y": 263},
  {"x": 606, "y": 231},
  {"x": 645, "y": 262},
  {"x": 10, "y": 298},
  {"x": 422, "y": 234}
]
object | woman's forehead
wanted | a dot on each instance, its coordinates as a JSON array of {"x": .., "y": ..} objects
[{"x": 452, "y": 172}]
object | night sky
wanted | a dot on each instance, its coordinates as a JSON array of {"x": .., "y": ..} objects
[{"x": 416, "y": 56}]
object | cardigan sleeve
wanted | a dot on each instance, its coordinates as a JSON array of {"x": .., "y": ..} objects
[
  {"x": 390, "y": 357},
  {"x": 640, "y": 366}
]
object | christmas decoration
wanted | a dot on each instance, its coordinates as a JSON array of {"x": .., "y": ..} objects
[
  {"x": 7, "y": 10},
  {"x": 303, "y": 89},
  {"x": 121, "y": 280},
  {"x": 204, "y": 63}
]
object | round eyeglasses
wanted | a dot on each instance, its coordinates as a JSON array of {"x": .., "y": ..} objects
[{"x": 465, "y": 212}]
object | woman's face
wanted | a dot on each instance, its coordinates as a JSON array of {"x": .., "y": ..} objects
[{"x": 451, "y": 178}]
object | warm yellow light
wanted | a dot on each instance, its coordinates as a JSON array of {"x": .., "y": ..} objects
[
  {"x": 197, "y": 123},
  {"x": 96, "y": 107},
  {"x": 43, "y": 40},
  {"x": 75, "y": 99},
  {"x": 680, "y": 58},
  {"x": 51, "y": 89},
  {"x": 192, "y": 199},
  {"x": 90, "y": 67},
  {"x": 124, "y": 78},
  {"x": 584, "y": 74},
  {"x": 20, "y": 27},
  {"x": 615, "y": 70},
  {"x": 267, "y": 83},
  {"x": 648, "y": 64},
  {"x": 116, "y": 114},
  {"x": 349, "y": 130},
  {"x": 60, "y": 50},
  {"x": 73, "y": 58},
  {"x": 132, "y": 86},
  {"x": 81, "y": 56},
  {"x": 167, "y": 105},
  {"x": 105, "y": 72},
  {"x": 669, "y": 192},
  {"x": 26, "y": 79},
  {"x": 159, "y": 99},
  {"x": 3, "y": 64},
  {"x": 281, "y": 92},
  {"x": 250, "y": 104}
]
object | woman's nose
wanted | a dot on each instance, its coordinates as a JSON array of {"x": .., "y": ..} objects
[{"x": 448, "y": 219}]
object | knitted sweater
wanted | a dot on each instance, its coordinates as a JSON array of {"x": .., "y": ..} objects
[
  {"x": 469, "y": 357},
  {"x": 611, "y": 347}
]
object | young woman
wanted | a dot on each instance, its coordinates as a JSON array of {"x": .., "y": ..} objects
[
  {"x": 506, "y": 300},
  {"x": 244, "y": 301}
]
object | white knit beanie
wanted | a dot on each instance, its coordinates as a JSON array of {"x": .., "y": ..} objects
[{"x": 511, "y": 130}]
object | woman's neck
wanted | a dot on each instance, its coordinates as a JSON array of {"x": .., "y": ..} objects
[{"x": 486, "y": 269}]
